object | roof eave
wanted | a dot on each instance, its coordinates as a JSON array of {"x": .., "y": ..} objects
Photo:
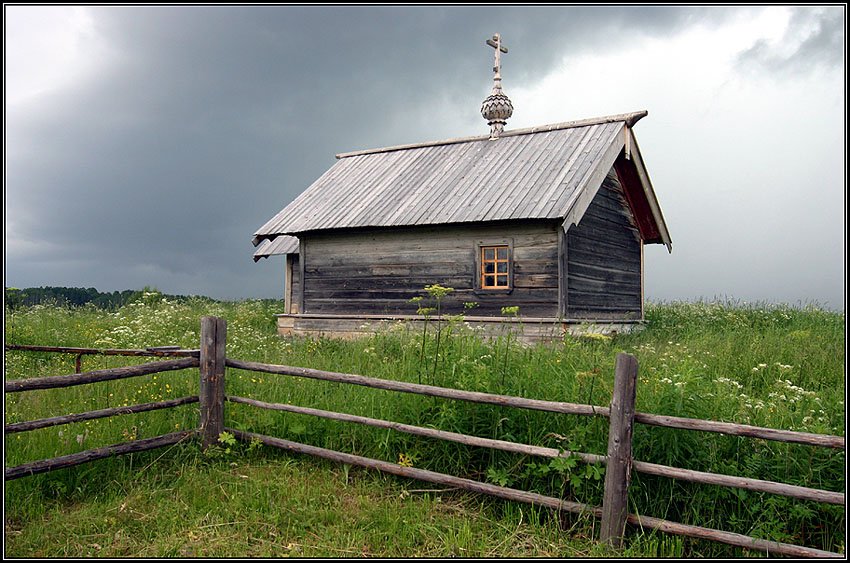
[{"x": 651, "y": 198}]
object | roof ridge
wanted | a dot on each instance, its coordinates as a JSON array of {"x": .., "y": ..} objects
[{"x": 629, "y": 118}]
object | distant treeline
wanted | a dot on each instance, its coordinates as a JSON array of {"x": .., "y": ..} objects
[{"x": 76, "y": 296}]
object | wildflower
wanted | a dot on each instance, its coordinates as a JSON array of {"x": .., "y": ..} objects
[{"x": 597, "y": 336}]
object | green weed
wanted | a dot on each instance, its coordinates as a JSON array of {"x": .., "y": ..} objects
[{"x": 773, "y": 366}]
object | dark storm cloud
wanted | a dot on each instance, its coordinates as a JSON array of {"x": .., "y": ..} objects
[
  {"x": 209, "y": 120},
  {"x": 814, "y": 37}
]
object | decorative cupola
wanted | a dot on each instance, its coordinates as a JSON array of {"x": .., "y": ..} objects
[{"x": 497, "y": 107}]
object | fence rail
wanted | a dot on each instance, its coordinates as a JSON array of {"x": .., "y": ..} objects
[
  {"x": 159, "y": 351},
  {"x": 91, "y": 415},
  {"x": 793, "y": 491},
  {"x": 71, "y": 460},
  {"x": 57, "y": 381},
  {"x": 97, "y": 376},
  {"x": 212, "y": 363}
]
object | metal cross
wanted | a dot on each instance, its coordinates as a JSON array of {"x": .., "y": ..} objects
[{"x": 496, "y": 43}]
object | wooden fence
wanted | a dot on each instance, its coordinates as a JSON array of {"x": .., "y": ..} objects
[{"x": 212, "y": 361}]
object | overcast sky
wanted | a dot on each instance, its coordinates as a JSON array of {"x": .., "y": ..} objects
[{"x": 145, "y": 145}]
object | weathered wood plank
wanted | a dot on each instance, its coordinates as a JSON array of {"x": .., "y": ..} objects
[
  {"x": 532, "y": 498},
  {"x": 739, "y": 540},
  {"x": 390, "y": 285},
  {"x": 563, "y": 274},
  {"x": 793, "y": 491},
  {"x": 429, "y": 390},
  {"x": 608, "y": 314},
  {"x": 388, "y": 271},
  {"x": 91, "y": 415},
  {"x": 608, "y": 213},
  {"x": 548, "y": 253},
  {"x": 609, "y": 272},
  {"x": 420, "y": 474},
  {"x": 619, "y": 464},
  {"x": 592, "y": 300},
  {"x": 389, "y": 256},
  {"x": 538, "y": 281},
  {"x": 604, "y": 286},
  {"x": 71, "y": 460},
  {"x": 152, "y": 352},
  {"x": 522, "y": 294},
  {"x": 533, "y": 267},
  {"x": 607, "y": 233},
  {"x": 488, "y": 305},
  {"x": 734, "y": 429},
  {"x": 212, "y": 368},
  {"x": 298, "y": 300},
  {"x": 420, "y": 431},
  {"x": 442, "y": 236},
  {"x": 287, "y": 284},
  {"x": 603, "y": 254},
  {"x": 611, "y": 201},
  {"x": 54, "y": 381}
]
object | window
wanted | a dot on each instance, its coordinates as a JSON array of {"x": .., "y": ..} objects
[{"x": 495, "y": 267}]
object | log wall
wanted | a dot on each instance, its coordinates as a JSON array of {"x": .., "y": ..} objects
[
  {"x": 604, "y": 259},
  {"x": 379, "y": 271}
]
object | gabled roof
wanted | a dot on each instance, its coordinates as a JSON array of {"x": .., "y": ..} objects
[{"x": 544, "y": 172}]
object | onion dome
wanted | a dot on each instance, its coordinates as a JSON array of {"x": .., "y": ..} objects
[{"x": 497, "y": 107}]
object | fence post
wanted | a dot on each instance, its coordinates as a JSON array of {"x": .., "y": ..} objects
[
  {"x": 619, "y": 464},
  {"x": 211, "y": 395}
]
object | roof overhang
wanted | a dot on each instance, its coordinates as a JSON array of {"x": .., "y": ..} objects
[
  {"x": 282, "y": 244},
  {"x": 632, "y": 171}
]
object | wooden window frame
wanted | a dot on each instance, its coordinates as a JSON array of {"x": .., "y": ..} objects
[{"x": 480, "y": 245}]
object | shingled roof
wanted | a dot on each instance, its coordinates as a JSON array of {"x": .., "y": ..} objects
[{"x": 549, "y": 172}]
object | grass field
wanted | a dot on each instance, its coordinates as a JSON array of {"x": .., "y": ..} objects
[{"x": 773, "y": 366}]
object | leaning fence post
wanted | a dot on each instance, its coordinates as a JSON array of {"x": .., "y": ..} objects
[
  {"x": 619, "y": 464},
  {"x": 211, "y": 395}
]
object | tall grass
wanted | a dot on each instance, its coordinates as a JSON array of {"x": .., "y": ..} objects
[{"x": 774, "y": 366}]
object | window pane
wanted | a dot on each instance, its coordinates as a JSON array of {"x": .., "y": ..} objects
[
  {"x": 502, "y": 280},
  {"x": 503, "y": 252},
  {"x": 489, "y": 253},
  {"x": 489, "y": 267},
  {"x": 489, "y": 281},
  {"x": 502, "y": 267}
]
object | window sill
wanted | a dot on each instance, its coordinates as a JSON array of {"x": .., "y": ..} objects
[{"x": 496, "y": 292}]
